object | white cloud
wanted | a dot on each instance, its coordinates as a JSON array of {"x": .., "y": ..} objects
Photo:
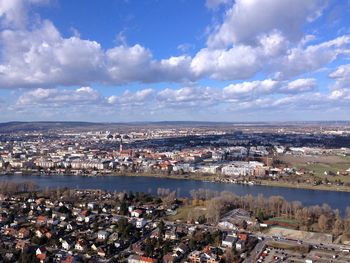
[
  {"x": 256, "y": 89},
  {"x": 300, "y": 85},
  {"x": 253, "y": 88},
  {"x": 299, "y": 60},
  {"x": 246, "y": 97},
  {"x": 188, "y": 97},
  {"x": 248, "y": 19},
  {"x": 128, "y": 98},
  {"x": 60, "y": 98},
  {"x": 240, "y": 62},
  {"x": 42, "y": 57},
  {"x": 342, "y": 73},
  {"x": 340, "y": 89},
  {"x": 13, "y": 13},
  {"x": 273, "y": 55},
  {"x": 342, "y": 80}
]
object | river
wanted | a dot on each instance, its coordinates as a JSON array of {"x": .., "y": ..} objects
[{"x": 337, "y": 200}]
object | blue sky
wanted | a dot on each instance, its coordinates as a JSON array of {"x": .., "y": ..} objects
[{"x": 213, "y": 60}]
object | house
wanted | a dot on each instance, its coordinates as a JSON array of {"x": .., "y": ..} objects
[
  {"x": 41, "y": 220},
  {"x": 80, "y": 218},
  {"x": 41, "y": 253},
  {"x": 243, "y": 236},
  {"x": 102, "y": 235},
  {"x": 41, "y": 232},
  {"x": 40, "y": 250},
  {"x": 197, "y": 256},
  {"x": 23, "y": 233},
  {"x": 71, "y": 226},
  {"x": 22, "y": 244},
  {"x": 155, "y": 233},
  {"x": 140, "y": 223},
  {"x": 92, "y": 205},
  {"x": 227, "y": 225},
  {"x": 101, "y": 252},
  {"x": 9, "y": 231},
  {"x": 81, "y": 245},
  {"x": 67, "y": 244},
  {"x": 89, "y": 218},
  {"x": 170, "y": 234},
  {"x": 240, "y": 245},
  {"x": 138, "y": 249},
  {"x": 137, "y": 213},
  {"x": 140, "y": 259},
  {"x": 182, "y": 248},
  {"x": 41, "y": 257},
  {"x": 229, "y": 241}
]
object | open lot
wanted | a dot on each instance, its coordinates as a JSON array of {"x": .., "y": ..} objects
[
  {"x": 272, "y": 254},
  {"x": 300, "y": 235}
]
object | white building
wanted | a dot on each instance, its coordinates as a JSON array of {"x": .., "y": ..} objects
[
  {"x": 140, "y": 223},
  {"x": 102, "y": 235},
  {"x": 242, "y": 168}
]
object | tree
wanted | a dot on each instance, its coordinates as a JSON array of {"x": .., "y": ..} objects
[
  {"x": 166, "y": 247},
  {"x": 229, "y": 256},
  {"x": 214, "y": 210},
  {"x": 192, "y": 244},
  {"x": 338, "y": 226},
  {"x": 149, "y": 247},
  {"x": 124, "y": 208},
  {"x": 261, "y": 216},
  {"x": 322, "y": 223},
  {"x": 161, "y": 227}
]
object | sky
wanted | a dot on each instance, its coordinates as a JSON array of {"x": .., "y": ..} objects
[{"x": 185, "y": 60}]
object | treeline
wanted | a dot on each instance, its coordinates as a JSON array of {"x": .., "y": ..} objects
[
  {"x": 10, "y": 188},
  {"x": 312, "y": 218}
]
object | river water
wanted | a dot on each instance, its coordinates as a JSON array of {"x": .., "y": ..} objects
[{"x": 337, "y": 200}]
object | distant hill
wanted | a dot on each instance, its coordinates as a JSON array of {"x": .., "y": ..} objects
[{"x": 78, "y": 125}]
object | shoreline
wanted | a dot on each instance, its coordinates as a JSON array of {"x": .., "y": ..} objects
[{"x": 203, "y": 178}]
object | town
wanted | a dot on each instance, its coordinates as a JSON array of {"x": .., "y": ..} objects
[
  {"x": 67, "y": 225},
  {"x": 306, "y": 156}
]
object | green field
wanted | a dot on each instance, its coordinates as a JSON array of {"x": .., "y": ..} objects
[{"x": 318, "y": 165}]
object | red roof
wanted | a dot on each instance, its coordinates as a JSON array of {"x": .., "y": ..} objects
[
  {"x": 146, "y": 259},
  {"x": 41, "y": 219},
  {"x": 41, "y": 257}
]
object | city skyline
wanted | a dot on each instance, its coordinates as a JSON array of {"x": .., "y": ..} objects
[{"x": 214, "y": 60}]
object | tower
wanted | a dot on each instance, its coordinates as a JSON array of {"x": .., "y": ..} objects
[{"x": 121, "y": 145}]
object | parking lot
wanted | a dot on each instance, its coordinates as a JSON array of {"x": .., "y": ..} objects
[{"x": 315, "y": 255}]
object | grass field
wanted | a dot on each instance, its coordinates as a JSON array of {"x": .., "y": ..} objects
[
  {"x": 186, "y": 212},
  {"x": 306, "y": 186},
  {"x": 284, "y": 220},
  {"x": 320, "y": 164}
]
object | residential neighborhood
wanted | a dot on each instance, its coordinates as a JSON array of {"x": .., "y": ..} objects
[{"x": 67, "y": 225}]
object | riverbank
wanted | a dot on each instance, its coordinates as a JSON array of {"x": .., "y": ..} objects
[
  {"x": 210, "y": 178},
  {"x": 306, "y": 186},
  {"x": 213, "y": 178}
]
